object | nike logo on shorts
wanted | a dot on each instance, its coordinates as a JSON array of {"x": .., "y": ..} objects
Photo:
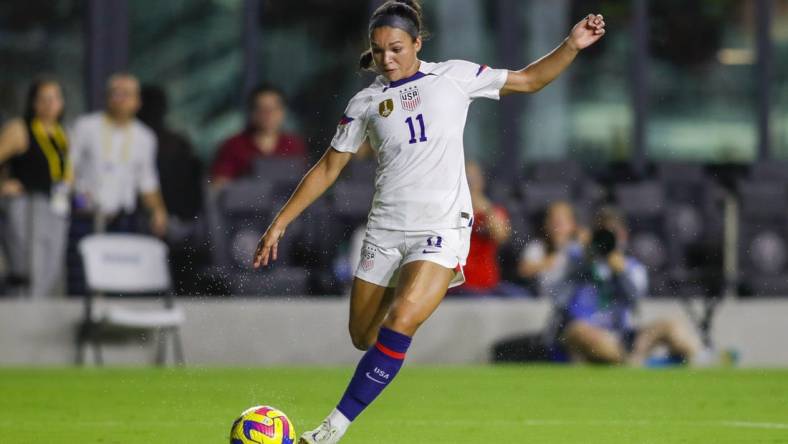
[
  {"x": 375, "y": 380},
  {"x": 428, "y": 252}
]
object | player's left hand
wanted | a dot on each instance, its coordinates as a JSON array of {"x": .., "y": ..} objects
[{"x": 587, "y": 32}]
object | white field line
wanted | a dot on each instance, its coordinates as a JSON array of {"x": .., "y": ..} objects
[
  {"x": 605, "y": 423},
  {"x": 451, "y": 422},
  {"x": 755, "y": 425}
]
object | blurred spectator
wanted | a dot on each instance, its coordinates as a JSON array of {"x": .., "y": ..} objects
[
  {"x": 180, "y": 170},
  {"x": 548, "y": 262},
  {"x": 181, "y": 181},
  {"x": 491, "y": 228},
  {"x": 114, "y": 157},
  {"x": 36, "y": 190},
  {"x": 263, "y": 137},
  {"x": 597, "y": 322}
]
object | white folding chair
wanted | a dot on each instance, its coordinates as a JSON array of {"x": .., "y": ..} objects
[{"x": 127, "y": 264}]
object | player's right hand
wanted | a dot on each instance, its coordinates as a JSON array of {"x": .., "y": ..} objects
[{"x": 266, "y": 248}]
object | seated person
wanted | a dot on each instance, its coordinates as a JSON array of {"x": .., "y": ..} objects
[
  {"x": 548, "y": 261},
  {"x": 263, "y": 137},
  {"x": 596, "y": 324},
  {"x": 491, "y": 228}
]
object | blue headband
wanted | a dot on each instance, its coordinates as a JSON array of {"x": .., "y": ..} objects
[{"x": 394, "y": 21}]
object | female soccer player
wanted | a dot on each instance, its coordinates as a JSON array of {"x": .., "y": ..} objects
[{"x": 413, "y": 115}]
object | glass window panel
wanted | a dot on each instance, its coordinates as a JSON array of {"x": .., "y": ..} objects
[
  {"x": 587, "y": 112},
  {"x": 41, "y": 37},
  {"x": 701, "y": 81},
  {"x": 321, "y": 42},
  {"x": 780, "y": 85},
  {"x": 600, "y": 91},
  {"x": 467, "y": 30},
  {"x": 312, "y": 53},
  {"x": 193, "y": 49}
]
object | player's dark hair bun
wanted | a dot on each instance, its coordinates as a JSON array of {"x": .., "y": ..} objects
[{"x": 406, "y": 9}]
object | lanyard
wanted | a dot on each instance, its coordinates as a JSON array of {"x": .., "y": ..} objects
[
  {"x": 106, "y": 141},
  {"x": 51, "y": 149}
]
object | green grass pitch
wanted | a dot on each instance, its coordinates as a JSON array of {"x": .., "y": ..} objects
[{"x": 424, "y": 405}]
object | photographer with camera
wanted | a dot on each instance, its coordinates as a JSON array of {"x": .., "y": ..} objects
[{"x": 597, "y": 322}]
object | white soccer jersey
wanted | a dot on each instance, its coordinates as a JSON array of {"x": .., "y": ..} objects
[{"x": 415, "y": 125}]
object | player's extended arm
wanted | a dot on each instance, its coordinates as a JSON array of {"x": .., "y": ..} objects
[
  {"x": 540, "y": 73},
  {"x": 312, "y": 186}
]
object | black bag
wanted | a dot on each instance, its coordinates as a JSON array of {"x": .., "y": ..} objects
[{"x": 523, "y": 348}]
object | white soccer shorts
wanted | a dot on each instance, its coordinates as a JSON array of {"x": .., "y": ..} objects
[{"x": 384, "y": 252}]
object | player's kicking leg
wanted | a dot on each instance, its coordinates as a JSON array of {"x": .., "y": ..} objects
[
  {"x": 369, "y": 305},
  {"x": 422, "y": 286}
]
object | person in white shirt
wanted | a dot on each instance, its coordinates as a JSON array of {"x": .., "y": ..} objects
[
  {"x": 114, "y": 158},
  {"x": 417, "y": 239}
]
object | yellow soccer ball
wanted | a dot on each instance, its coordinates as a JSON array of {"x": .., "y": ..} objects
[{"x": 262, "y": 425}]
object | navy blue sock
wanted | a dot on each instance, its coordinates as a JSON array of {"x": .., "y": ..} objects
[{"x": 375, "y": 371}]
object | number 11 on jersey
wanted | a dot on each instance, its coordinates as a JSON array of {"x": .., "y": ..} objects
[{"x": 423, "y": 137}]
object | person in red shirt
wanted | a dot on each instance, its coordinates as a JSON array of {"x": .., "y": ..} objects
[
  {"x": 491, "y": 228},
  {"x": 263, "y": 137}
]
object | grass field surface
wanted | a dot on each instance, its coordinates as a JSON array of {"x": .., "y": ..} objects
[{"x": 424, "y": 405}]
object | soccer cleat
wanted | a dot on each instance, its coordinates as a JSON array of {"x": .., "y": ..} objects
[{"x": 325, "y": 434}]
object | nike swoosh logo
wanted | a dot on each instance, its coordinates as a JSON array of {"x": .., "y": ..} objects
[
  {"x": 428, "y": 252},
  {"x": 373, "y": 379}
]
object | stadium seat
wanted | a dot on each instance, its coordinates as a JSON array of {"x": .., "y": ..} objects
[
  {"x": 361, "y": 172},
  {"x": 680, "y": 172},
  {"x": 763, "y": 238},
  {"x": 247, "y": 196},
  {"x": 769, "y": 171},
  {"x": 245, "y": 208},
  {"x": 560, "y": 171},
  {"x": 500, "y": 190},
  {"x": 644, "y": 206},
  {"x": 695, "y": 219},
  {"x": 352, "y": 200},
  {"x": 537, "y": 196},
  {"x": 127, "y": 264},
  {"x": 273, "y": 169}
]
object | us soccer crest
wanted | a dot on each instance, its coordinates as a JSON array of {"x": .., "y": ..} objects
[
  {"x": 368, "y": 257},
  {"x": 386, "y": 107},
  {"x": 410, "y": 98}
]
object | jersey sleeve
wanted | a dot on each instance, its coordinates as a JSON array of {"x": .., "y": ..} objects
[
  {"x": 352, "y": 128},
  {"x": 477, "y": 81}
]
